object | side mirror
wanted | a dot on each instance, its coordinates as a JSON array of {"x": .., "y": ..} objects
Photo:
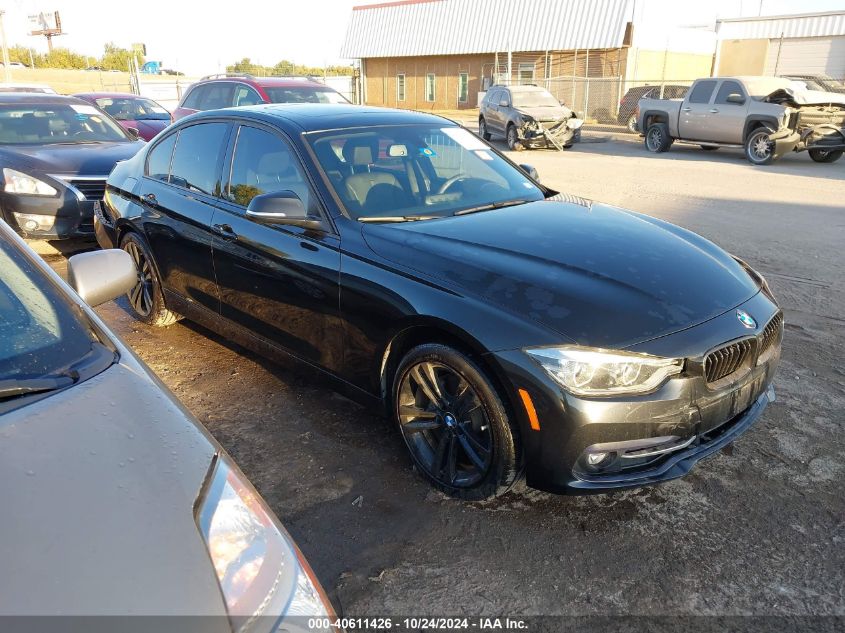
[
  {"x": 735, "y": 97},
  {"x": 100, "y": 276},
  {"x": 504, "y": 103},
  {"x": 281, "y": 207},
  {"x": 531, "y": 171},
  {"x": 134, "y": 132}
]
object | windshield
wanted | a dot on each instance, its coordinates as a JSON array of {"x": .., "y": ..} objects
[
  {"x": 44, "y": 335},
  {"x": 534, "y": 99},
  {"x": 133, "y": 109},
  {"x": 415, "y": 170},
  {"x": 304, "y": 94},
  {"x": 56, "y": 123}
]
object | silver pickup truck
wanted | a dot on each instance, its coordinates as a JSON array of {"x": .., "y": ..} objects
[{"x": 765, "y": 116}]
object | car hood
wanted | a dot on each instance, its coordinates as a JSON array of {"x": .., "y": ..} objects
[
  {"x": 99, "y": 486},
  {"x": 92, "y": 159},
  {"x": 546, "y": 114},
  {"x": 598, "y": 275},
  {"x": 147, "y": 128}
]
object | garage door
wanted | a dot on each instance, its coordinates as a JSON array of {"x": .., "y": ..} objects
[{"x": 807, "y": 56}]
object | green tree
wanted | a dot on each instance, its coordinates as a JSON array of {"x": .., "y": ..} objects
[{"x": 116, "y": 58}]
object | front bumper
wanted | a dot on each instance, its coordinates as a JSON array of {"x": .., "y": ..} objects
[
  {"x": 537, "y": 139},
  {"x": 785, "y": 141},
  {"x": 73, "y": 217},
  {"x": 648, "y": 438}
]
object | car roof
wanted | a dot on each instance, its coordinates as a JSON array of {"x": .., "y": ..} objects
[
  {"x": 523, "y": 88},
  {"x": 26, "y": 98},
  {"x": 108, "y": 95},
  {"x": 318, "y": 117},
  {"x": 268, "y": 82}
]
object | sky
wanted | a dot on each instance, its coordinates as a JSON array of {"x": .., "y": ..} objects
[{"x": 203, "y": 38}]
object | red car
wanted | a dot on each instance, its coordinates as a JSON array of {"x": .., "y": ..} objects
[
  {"x": 131, "y": 111},
  {"x": 228, "y": 91}
]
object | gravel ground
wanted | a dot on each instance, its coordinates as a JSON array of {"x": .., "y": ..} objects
[{"x": 756, "y": 529}]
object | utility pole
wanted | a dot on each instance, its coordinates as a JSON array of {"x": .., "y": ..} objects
[{"x": 6, "y": 70}]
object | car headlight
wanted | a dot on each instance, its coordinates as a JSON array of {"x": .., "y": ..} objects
[
  {"x": 585, "y": 371},
  {"x": 574, "y": 124},
  {"x": 261, "y": 571},
  {"x": 17, "y": 182}
]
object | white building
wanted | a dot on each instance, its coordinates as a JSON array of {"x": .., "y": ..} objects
[{"x": 802, "y": 44}]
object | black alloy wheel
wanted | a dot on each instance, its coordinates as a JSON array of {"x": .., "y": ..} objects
[
  {"x": 454, "y": 424},
  {"x": 146, "y": 297}
]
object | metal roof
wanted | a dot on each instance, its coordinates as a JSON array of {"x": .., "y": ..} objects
[
  {"x": 775, "y": 26},
  {"x": 454, "y": 27}
]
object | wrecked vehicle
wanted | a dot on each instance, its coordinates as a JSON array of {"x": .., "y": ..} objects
[
  {"x": 528, "y": 116},
  {"x": 765, "y": 116}
]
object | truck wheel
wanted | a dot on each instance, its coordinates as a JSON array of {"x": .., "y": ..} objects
[
  {"x": 632, "y": 124},
  {"x": 825, "y": 155},
  {"x": 513, "y": 139},
  {"x": 482, "y": 129},
  {"x": 759, "y": 148},
  {"x": 657, "y": 138}
]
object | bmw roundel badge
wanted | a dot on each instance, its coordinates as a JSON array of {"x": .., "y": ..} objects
[{"x": 746, "y": 319}]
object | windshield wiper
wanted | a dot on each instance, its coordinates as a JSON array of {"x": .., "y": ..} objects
[
  {"x": 14, "y": 387},
  {"x": 398, "y": 218},
  {"x": 493, "y": 205}
]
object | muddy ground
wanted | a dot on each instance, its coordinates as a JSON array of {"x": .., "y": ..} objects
[{"x": 756, "y": 529}]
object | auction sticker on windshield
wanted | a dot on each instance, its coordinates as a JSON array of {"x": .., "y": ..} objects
[{"x": 464, "y": 138}]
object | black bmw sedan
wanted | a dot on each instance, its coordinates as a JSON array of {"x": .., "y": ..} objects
[
  {"x": 55, "y": 155},
  {"x": 504, "y": 327}
]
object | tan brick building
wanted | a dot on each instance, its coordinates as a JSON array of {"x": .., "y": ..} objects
[{"x": 441, "y": 54}]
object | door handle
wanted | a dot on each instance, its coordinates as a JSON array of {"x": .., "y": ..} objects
[
  {"x": 713, "y": 111},
  {"x": 225, "y": 232},
  {"x": 687, "y": 109},
  {"x": 151, "y": 199}
]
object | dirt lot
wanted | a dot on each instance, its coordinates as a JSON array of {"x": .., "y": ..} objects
[{"x": 757, "y": 529}]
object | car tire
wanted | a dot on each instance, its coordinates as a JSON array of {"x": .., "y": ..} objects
[
  {"x": 657, "y": 138},
  {"x": 759, "y": 149},
  {"x": 482, "y": 129},
  {"x": 631, "y": 124},
  {"x": 513, "y": 139},
  {"x": 454, "y": 423},
  {"x": 146, "y": 298},
  {"x": 825, "y": 155},
  {"x": 708, "y": 148}
]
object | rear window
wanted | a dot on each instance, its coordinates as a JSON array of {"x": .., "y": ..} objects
[{"x": 702, "y": 92}]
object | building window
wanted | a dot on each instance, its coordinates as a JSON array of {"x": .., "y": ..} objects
[
  {"x": 429, "y": 88},
  {"x": 400, "y": 87},
  {"x": 526, "y": 73},
  {"x": 463, "y": 88}
]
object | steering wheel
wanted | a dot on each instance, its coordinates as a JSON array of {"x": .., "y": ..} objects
[{"x": 451, "y": 181}]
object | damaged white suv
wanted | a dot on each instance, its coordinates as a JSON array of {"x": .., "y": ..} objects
[{"x": 528, "y": 116}]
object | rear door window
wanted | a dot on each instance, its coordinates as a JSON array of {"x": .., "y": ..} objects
[
  {"x": 158, "y": 160},
  {"x": 702, "y": 92},
  {"x": 217, "y": 95},
  {"x": 197, "y": 156}
]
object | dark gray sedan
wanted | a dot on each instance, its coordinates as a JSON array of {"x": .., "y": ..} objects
[{"x": 115, "y": 499}]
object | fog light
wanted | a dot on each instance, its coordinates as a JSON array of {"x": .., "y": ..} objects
[
  {"x": 594, "y": 459},
  {"x": 35, "y": 221}
]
